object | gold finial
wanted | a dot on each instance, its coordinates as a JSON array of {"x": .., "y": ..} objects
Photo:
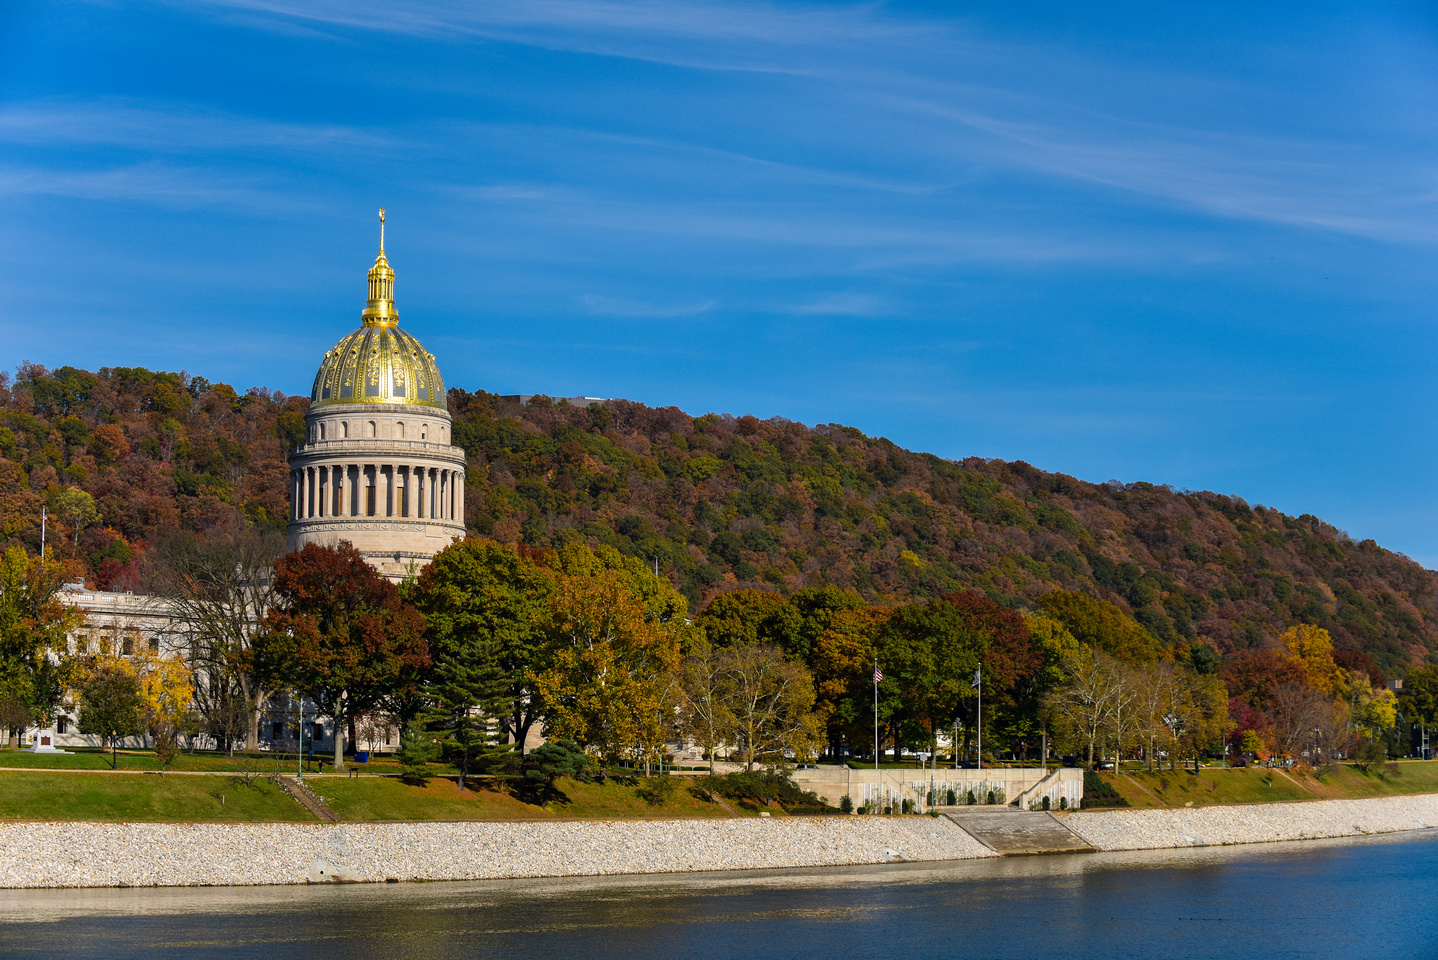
[{"x": 380, "y": 310}]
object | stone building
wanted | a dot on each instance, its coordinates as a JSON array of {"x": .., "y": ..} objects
[{"x": 377, "y": 467}]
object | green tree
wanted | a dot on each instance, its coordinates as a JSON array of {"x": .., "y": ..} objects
[
  {"x": 111, "y": 706},
  {"x": 486, "y": 608},
  {"x": 34, "y": 623},
  {"x": 340, "y": 634},
  {"x": 75, "y": 508},
  {"x": 416, "y": 749}
]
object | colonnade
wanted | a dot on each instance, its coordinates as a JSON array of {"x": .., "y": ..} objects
[{"x": 376, "y": 490}]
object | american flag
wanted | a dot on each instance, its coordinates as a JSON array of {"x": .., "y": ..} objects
[{"x": 878, "y": 675}]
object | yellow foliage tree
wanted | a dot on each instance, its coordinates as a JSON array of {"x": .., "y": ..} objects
[
  {"x": 1311, "y": 648},
  {"x": 167, "y": 688},
  {"x": 612, "y": 681}
]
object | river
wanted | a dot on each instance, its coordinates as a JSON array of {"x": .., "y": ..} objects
[{"x": 1346, "y": 898}]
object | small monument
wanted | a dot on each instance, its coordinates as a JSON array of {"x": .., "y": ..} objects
[{"x": 45, "y": 742}]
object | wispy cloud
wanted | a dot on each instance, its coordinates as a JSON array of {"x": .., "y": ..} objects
[
  {"x": 639, "y": 310},
  {"x": 841, "y": 305},
  {"x": 169, "y": 128},
  {"x": 964, "y": 100},
  {"x": 147, "y": 183}
]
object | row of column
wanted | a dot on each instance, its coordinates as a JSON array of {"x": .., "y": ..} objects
[{"x": 376, "y": 490}]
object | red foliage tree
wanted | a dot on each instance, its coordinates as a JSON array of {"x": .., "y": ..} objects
[{"x": 341, "y": 635}]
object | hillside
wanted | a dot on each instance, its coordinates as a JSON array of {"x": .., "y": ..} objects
[{"x": 721, "y": 503}]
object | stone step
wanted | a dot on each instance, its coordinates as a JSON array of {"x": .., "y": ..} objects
[{"x": 1019, "y": 832}]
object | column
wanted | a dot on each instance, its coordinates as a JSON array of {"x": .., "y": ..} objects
[
  {"x": 433, "y": 492},
  {"x": 459, "y": 497},
  {"x": 325, "y": 503},
  {"x": 309, "y": 482}
]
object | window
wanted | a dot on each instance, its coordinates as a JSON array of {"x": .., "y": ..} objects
[
  {"x": 372, "y": 431},
  {"x": 277, "y": 730},
  {"x": 345, "y": 429},
  {"x": 127, "y": 646},
  {"x": 322, "y": 431},
  {"x": 400, "y": 428},
  {"x": 319, "y": 733},
  {"x": 369, "y": 500},
  {"x": 62, "y": 724},
  {"x": 154, "y": 644},
  {"x": 423, "y": 431}
]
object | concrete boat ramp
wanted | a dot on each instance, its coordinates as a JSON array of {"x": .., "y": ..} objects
[{"x": 1009, "y": 832}]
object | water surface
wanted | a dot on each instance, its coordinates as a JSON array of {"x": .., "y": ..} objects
[{"x": 1349, "y": 899}]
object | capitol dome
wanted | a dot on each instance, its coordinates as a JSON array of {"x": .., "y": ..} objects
[
  {"x": 379, "y": 362},
  {"x": 377, "y": 467}
]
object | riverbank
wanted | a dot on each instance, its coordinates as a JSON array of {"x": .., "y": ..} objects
[
  {"x": 50, "y": 854},
  {"x": 1252, "y": 823},
  {"x": 156, "y": 854}
]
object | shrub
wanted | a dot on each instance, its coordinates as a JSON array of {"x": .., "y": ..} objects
[
  {"x": 763, "y": 788},
  {"x": 846, "y": 804},
  {"x": 1047, "y": 803},
  {"x": 1063, "y": 803},
  {"x": 952, "y": 797},
  {"x": 970, "y": 799},
  {"x": 1097, "y": 792},
  {"x": 905, "y": 805},
  {"x": 657, "y": 791}
]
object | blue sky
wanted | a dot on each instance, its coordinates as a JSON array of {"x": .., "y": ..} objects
[{"x": 1193, "y": 247}]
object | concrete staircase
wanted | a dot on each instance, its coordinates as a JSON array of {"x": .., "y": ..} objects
[
  {"x": 1012, "y": 832},
  {"x": 300, "y": 791}
]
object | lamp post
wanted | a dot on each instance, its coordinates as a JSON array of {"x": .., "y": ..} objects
[{"x": 300, "y": 730}]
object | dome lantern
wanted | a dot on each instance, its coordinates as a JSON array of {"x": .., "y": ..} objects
[
  {"x": 379, "y": 362},
  {"x": 380, "y": 311}
]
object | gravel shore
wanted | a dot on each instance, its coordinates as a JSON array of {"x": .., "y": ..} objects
[
  {"x": 133, "y": 854},
  {"x": 68, "y": 854},
  {"x": 1252, "y": 823}
]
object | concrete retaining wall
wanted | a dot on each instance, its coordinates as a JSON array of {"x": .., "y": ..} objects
[
  {"x": 1252, "y": 823},
  {"x": 103, "y": 855}
]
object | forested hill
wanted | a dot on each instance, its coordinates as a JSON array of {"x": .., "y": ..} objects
[{"x": 722, "y": 503}]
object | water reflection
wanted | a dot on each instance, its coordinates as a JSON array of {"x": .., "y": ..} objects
[{"x": 1336, "y": 898}]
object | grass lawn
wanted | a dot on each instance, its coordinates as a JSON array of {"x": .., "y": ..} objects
[
  {"x": 387, "y": 798},
  {"x": 93, "y": 758},
  {"x": 143, "y": 797},
  {"x": 1260, "y": 785}
]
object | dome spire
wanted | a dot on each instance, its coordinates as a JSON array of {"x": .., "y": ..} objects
[{"x": 380, "y": 311}]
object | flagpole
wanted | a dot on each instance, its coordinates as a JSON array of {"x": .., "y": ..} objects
[
  {"x": 979, "y": 676},
  {"x": 876, "y": 713}
]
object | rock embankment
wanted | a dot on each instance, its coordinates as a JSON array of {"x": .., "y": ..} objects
[
  {"x": 1252, "y": 823},
  {"x": 166, "y": 854}
]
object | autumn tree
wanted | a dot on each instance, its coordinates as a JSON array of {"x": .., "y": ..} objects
[
  {"x": 340, "y": 634},
  {"x": 769, "y": 700},
  {"x": 1083, "y": 709},
  {"x": 111, "y": 706},
  {"x": 1101, "y": 625},
  {"x": 611, "y": 682},
  {"x": 217, "y": 589},
  {"x": 1310, "y": 649},
  {"x": 34, "y": 623},
  {"x": 703, "y": 682},
  {"x": 843, "y": 658}
]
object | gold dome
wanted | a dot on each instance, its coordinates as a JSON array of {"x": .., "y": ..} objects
[{"x": 379, "y": 362}]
